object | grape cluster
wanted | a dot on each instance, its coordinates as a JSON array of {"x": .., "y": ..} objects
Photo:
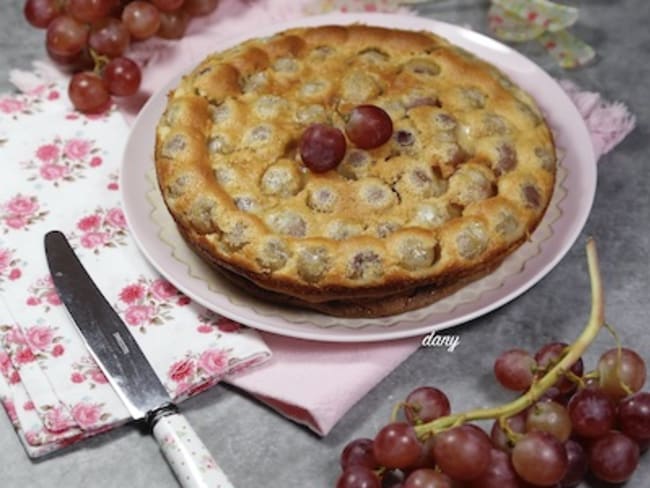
[
  {"x": 91, "y": 37},
  {"x": 598, "y": 422}
]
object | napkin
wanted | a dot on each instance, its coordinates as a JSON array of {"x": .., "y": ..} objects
[{"x": 52, "y": 391}]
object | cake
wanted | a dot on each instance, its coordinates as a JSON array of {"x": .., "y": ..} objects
[{"x": 463, "y": 178}]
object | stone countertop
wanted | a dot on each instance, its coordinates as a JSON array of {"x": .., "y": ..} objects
[{"x": 257, "y": 447}]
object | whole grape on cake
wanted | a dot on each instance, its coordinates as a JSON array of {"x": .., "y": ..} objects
[{"x": 355, "y": 170}]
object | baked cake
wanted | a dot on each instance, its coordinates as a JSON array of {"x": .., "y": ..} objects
[{"x": 464, "y": 177}]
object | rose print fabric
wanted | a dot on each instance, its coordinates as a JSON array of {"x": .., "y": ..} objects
[{"x": 60, "y": 172}]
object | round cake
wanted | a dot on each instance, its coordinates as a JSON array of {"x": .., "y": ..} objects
[{"x": 461, "y": 180}]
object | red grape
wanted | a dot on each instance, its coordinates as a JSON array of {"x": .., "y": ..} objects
[
  {"x": 539, "y": 458},
  {"x": 577, "y": 465},
  {"x": 66, "y": 36},
  {"x": 322, "y": 147},
  {"x": 631, "y": 371},
  {"x": 109, "y": 37},
  {"x": 425, "y": 404},
  {"x": 427, "y": 478},
  {"x": 168, "y": 5},
  {"x": 516, "y": 423},
  {"x": 614, "y": 457},
  {"x": 122, "y": 76},
  {"x": 196, "y": 8},
  {"x": 359, "y": 451},
  {"x": 462, "y": 453},
  {"x": 369, "y": 126},
  {"x": 634, "y": 416},
  {"x": 551, "y": 417},
  {"x": 397, "y": 446},
  {"x": 40, "y": 13},
  {"x": 173, "y": 24},
  {"x": 499, "y": 474},
  {"x": 141, "y": 19},
  {"x": 592, "y": 413},
  {"x": 358, "y": 477},
  {"x": 77, "y": 62},
  {"x": 89, "y": 10},
  {"x": 88, "y": 92},
  {"x": 515, "y": 369},
  {"x": 550, "y": 354}
]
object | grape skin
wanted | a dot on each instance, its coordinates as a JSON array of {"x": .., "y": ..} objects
[
  {"x": 631, "y": 371},
  {"x": 614, "y": 457},
  {"x": 122, "y": 76},
  {"x": 88, "y": 92},
  {"x": 141, "y": 19},
  {"x": 514, "y": 369},
  {"x": 539, "y": 458},
  {"x": 634, "y": 416},
  {"x": 425, "y": 404},
  {"x": 592, "y": 413},
  {"x": 462, "y": 453},
  {"x": 39, "y": 13}
]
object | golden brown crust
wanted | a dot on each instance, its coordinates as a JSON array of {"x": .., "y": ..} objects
[{"x": 465, "y": 179}]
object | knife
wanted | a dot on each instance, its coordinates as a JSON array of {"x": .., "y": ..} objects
[{"x": 127, "y": 369}]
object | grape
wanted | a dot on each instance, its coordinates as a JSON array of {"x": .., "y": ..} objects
[
  {"x": 88, "y": 92},
  {"x": 122, "y": 76},
  {"x": 322, "y": 147},
  {"x": 141, "y": 19},
  {"x": 359, "y": 452},
  {"x": 109, "y": 37},
  {"x": 173, "y": 24},
  {"x": 397, "y": 446},
  {"x": 614, "y": 457},
  {"x": 369, "y": 126},
  {"x": 550, "y": 354},
  {"x": 197, "y": 8},
  {"x": 632, "y": 372},
  {"x": 551, "y": 417},
  {"x": 427, "y": 478},
  {"x": 499, "y": 474},
  {"x": 514, "y": 369},
  {"x": 40, "y": 13},
  {"x": 89, "y": 10},
  {"x": 592, "y": 413},
  {"x": 66, "y": 36},
  {"x": 77, "y": 62},
  {"x": 358, "y": 477},
  {"x": 168, "y": 5},
  {"x": 539, "y": 458},
  {"x": 517, "y": 424},
  {"x": 393, "y": 478},
  {"x": 634, "y": 416},
  {"x": 577, "y": 465},
  {"x": 462, "y": 453},
  {"x": 425, "y": 404}
]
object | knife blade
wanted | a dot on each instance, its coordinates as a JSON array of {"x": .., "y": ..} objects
[{"x": 127, "y": 369}]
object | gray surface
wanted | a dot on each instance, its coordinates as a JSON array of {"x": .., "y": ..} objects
[{"x": 259, "y": 448}]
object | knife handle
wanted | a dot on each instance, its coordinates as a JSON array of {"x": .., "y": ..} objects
[{"x": 188, "y": 457}]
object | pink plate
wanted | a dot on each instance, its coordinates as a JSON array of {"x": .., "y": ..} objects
[{"x": 156, "y": 235}]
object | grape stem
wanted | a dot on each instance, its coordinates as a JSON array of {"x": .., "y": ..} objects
[{"x": 575, "y": 351}]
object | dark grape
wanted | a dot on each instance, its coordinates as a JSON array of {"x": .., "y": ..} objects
[
  {"x": 516, "y": 423},
  {"x": 577, "y": 468},
  {"x": 81, "y": 61},
  {"x": 592, "y": 413},
  {"x": 392, "y": 478},
  {"x": 397, "y": 446},
  {"x": 122, "y": 76},
  {"x": 631, "y": 371},
  {"x": 173, "y": 24},
  {"x": 369, "y": 126},
  {"x": 634, "y": 416},
  {"x": 551, "y": 417},
  {"x": 357, "y": 476},
  {"x": 425, "y": 404},
  {"x": 515, "y": 369},
  {"x": 40, "y": 13},
  {"x": 550, "y": 354},
  {"x": 88, "y": 93},
  {"x": 66, "y": 36},
  {"x": 197, "y": 8},
  {"x": 109, "y": 37},
  {"x": 539, "y": 458},
  {"x": 359, "y": 451},
  {"x": 322, "y": 147},
  {"x": 462, "y": 453},
  {"x": 614, "y": 457},
  {"x": 499, "y": 474},
  {"x": 141, "y": 19},
  {"x": 89, "y": 10},
  {"x": 427, "y": 478}
]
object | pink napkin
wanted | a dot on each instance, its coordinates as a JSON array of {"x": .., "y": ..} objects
[{"x": 313, "y": 383}]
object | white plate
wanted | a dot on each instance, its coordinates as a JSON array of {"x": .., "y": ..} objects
[{"x": 155, "y": 233}]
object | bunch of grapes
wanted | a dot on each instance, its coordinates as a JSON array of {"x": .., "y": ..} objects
[
  {"x": 598, "y": 422},
  {"x": 91, "y": 37}
]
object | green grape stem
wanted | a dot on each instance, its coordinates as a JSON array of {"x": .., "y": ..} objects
[{"x": 574, "y": 352}]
